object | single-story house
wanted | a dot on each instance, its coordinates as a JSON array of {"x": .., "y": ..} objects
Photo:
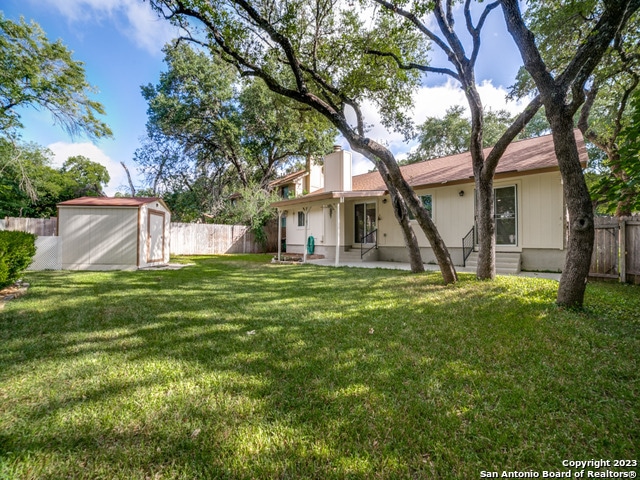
[
  {"x": 350, "y": 212},
  {"x": 104, "y": 233}
]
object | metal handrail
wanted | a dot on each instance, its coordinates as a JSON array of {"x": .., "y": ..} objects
[
  {"x": 468, "y": 242},
  {"x": 363, "y": 252}
]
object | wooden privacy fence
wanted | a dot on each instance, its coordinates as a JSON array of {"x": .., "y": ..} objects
[
  {"x": 43, "y": 227},
  {"x": 209, "y": 239},
  {"x": 616, "y": 249}
]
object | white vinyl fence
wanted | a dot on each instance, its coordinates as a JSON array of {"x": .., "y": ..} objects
[{"x": 48, "y": 254}]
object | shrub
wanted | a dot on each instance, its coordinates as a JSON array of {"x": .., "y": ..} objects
[{"x": 16, "y": 254}]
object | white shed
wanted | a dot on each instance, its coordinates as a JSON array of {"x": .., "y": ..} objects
[{"x": 104, "y": 233}]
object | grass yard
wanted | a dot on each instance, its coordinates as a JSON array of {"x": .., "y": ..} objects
[{"x": 236, "y": 368}]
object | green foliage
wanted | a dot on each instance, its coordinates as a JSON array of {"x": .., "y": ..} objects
[
  {"x": 31, "y": 187},
  {"x": 89, "y": 176},
  {"x": 560, "y": 26},
  {"x": 37, "y": 73},
  {"x": 17, "y": 250},
  {"x": 212, "y": 134},
  {"x": 187, "y": 204},
  {"x": 609, "y": 189},
  {"x": 331, "y": 71},
  {"x": 253, "y": 208},
  {"x": 439, "y": 137}
]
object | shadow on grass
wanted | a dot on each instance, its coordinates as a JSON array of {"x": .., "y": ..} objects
[{"x": 235, "y": 369}]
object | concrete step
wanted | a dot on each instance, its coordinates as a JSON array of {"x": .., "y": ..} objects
[
  {"x": 353, "y": 255},
  {"x": 506, "y": 262}
]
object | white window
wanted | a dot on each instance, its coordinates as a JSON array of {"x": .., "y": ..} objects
[
  {"x": 301, "y": 219},
  {"x": 506, "y": 215},
  {"x": 365, "y": 222}
]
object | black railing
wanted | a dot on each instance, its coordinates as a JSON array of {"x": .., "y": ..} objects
[
  {"x": 468, "y": 242},
  {"x": 366, "y": 240}
]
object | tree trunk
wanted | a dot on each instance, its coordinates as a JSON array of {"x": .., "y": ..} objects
[
  {"x": 372, "y": 151},
  {"x": 483, "y": 179},
  {"x": 411, "y": 242},
  {"x": 390, "y": 172},
  {"x": 486, "y": 269},
  {"x": 578, "y": 201}
]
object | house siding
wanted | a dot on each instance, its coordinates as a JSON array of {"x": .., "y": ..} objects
[
  {"x": 541, "y": 224},
  {"x": 543, "y": 213}
]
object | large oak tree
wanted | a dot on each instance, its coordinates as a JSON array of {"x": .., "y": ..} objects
[
  {"x": 446, "y": 35},
  {"x": 312, "y": 52},
  {"x": 559, "y": 30},
  {"x": 562, "y": 94}
]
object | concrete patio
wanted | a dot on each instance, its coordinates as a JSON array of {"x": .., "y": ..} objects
[{"x": 429, "y": 267}]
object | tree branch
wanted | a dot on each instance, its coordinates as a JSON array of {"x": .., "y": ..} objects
[
  {"x": 131, "y": 187},
  {"x": 475, "y": 32},
  {"x": 412, "y": 65},
  {"x": 416, "y": 21},
  {"x": 491, "y": 162},
  {"x": 280, "y": 40}
]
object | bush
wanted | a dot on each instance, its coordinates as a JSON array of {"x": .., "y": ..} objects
[{"x": 16, "y": 254}]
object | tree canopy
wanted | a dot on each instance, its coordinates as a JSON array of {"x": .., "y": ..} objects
[
  {"x": 624, "y": 185},
  {"x": 31, "y": 187},
  {"x": 37, "y": 73},
  {"x": 559, "y": 28},
  {"x": 451, "y": 134},
  {"x": 212, "y": 134}
]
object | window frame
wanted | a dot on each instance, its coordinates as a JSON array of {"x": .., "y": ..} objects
[{"x": 515, "y": 215}]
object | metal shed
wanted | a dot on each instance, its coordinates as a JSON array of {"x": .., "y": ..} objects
[{"x": 105, "y": 233}]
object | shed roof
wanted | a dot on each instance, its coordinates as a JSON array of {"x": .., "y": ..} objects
[{"x": 111, "y": 202}]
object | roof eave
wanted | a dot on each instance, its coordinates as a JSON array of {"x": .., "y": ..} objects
[{"x": 328, "y": 196}]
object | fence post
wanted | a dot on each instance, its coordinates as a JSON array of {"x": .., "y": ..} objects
[{"x": 622, "y": 250}]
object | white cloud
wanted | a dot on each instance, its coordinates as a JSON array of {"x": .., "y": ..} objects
[
  {"x": 429, "y": 102},
  {"x": 434, "y": 101},
  {"x": 63, "y": 150},
  {"x": 133, "y": 18}
]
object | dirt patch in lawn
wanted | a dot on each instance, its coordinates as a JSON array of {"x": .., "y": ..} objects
[
  {"x": 295, "y": 257},
  {"x": 16, "y": 290}
]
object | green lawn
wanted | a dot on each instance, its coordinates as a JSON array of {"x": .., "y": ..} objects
[{"x": 236, "y": 368}]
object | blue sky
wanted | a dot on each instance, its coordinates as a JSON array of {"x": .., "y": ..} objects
[{"x": 120, "y": 43}]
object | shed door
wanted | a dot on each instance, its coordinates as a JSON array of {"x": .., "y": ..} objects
[{"x": 155, "y": 237}]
